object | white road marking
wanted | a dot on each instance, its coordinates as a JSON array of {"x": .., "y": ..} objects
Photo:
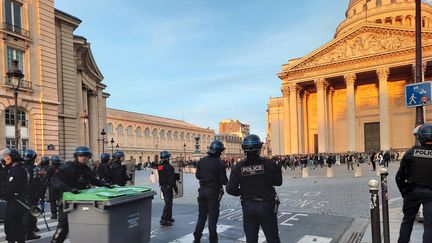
[
  {"x": 314, "y": 239},
  {"x": 261, "y": 238},
  {"x": 189, "y": 237}
]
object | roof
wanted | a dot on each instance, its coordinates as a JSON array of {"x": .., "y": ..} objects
[{"x": 150, "y": 119}]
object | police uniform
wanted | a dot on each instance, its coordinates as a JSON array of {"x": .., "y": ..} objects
[
  {"x": 15, "y": 189},
  {"x": 253, "y": 179},
  {"x": 104, "y": 169},
  {"x": 167, "y": 183},
  {"x": 414, "y": 180},
  {"x": 33, "y": 193},
  {"x": 211, "y": 175},
  {"x": 72, "y": 177},
  {"x": 54, "y": 195}
]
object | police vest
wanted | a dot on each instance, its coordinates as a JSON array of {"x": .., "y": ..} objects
[
  {"x": 420, "y": 166},
  {"x": 254, "y": 182}
]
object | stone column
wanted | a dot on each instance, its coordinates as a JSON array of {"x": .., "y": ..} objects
[
  {"x": 286, "y": 119},
  {"x": 300, "y": 122},
  {"x": 351, "y": 113},
  {"x": 321, "y": 85},
  {"x": 305, "y": 122},
  {"x": 93, "y": 122},
  {"x": 384, "y": 114},
  {"x": 83, "y": 123},
  {"x": 330, "y": 120},
  {"x": 294, "y": 96}
]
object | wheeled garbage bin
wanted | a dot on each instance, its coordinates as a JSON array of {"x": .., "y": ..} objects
[{"x": 102, "y": 215}]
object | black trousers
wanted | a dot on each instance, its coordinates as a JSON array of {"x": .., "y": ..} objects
[
  {"x": 62, "y": 227},
  {"x": 168, "y": 198},
  {"x": 54, "y": 198},
  {"x": 29, "y": 220},
  {"x": 256, "y": 214},
  {"x": 412, "y": 201},
  {"x": 208, "y": 205},
  {"x": 14, "y": 224}
]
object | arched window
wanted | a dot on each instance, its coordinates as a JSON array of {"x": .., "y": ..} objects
[
  {"x": 162, "y": 133},
  {"x": 10, "y": 128},
  {"x": 109, "y": 128},
  {"x": 139, "y": 132},
  {"x": 182, "y": 136},
  {"x": 120, "y": 129},
  {"x": 378, "y": 3},
  {"x": 147, "y": 132},
  {"x": 130, "y": 130}
]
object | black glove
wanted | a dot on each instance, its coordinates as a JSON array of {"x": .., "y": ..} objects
[{"x": 74, "y": 191}]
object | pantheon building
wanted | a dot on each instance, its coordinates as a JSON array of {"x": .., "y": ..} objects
[{"x": 348, "y": 95}]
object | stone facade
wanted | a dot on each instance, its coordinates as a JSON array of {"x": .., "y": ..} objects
[
  {"x": 233, "y": 145},
  {"x": 348, "y": 95},
  {"x": 142, "y": 137},
  {"x": 57, "y": 66},
  {"x": 234, "y": 127}
]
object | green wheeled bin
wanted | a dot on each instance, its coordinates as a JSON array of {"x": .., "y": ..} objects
[{"x": 101, "y": 215}]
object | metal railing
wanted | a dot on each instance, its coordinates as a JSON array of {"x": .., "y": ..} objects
[
  {"x": 16, "y": 29},
  {"x": 24, "y": 84}
]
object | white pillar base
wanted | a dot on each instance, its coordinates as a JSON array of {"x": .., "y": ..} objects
[
  {"x": 305, "y": 173},
  {"x": 377, "y": 170},
  {"x": 330, "y": 172},
  {"x": 358, "y": 172}
]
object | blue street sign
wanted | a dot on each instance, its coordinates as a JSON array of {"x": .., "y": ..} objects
[{"x": 418, "y": 94}]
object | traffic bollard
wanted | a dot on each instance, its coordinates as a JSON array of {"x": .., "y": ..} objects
[
  {"x": 378, "y": 169},
  {"x": 330, "y": 172},
  {"x": 358, "y": 172},
  {"x": 385, "y": 209},
  {"x": 375, "y": 211},
  {"x": 305, "y": 172}
]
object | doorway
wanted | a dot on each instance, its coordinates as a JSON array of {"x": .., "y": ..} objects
[{"x": 372, "y": 136}]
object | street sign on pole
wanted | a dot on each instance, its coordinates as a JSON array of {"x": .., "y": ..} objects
[{"x": 418, "y": 94}]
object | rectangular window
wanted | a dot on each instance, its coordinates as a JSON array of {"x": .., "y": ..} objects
[
  {"x": 10, "y": 143},
  {"x": 13, "y": 16},
  {"x": 14, "y": 54},
  {"x": 24, "y": 144}
]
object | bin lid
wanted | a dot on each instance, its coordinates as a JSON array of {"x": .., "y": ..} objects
[{"x": 106, "y": 194}]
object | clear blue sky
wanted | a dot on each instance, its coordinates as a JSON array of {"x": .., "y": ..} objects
[{"x": 201, "y": 60}]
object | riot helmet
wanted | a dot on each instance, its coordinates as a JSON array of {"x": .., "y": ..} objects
[
  {"x": 45, "y": 161},
  {"x": 55, "y": 160},
  {"x": 82, "y": 151},
  {"x": 164, "y": 155},
  {"x": 252, "y": 143},
  {"x": 105, "y": 157},
  {"x": 14, "y": 154},
  {"x": 118, "y": 155},
  {"x": 424, "y": 133},
  {"x": 216, "y": 148},
  {"x": 29, "y": 155}
]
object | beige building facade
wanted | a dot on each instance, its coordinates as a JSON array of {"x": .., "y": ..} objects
[
  {"x": 142, "y": 137},
  {"x": 233, "y": 145},
  {"x": 348, "y": 95},
  {"x": 58, "y": 69},
  {"x": 234, "y": 127}
]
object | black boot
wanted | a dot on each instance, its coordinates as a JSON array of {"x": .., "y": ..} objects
[
  {"x": 32, "y": 236},
  {"x": 59, "y": 236},
  {"x": 53, "y": 216}
]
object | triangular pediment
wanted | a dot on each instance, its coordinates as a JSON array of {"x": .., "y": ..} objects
[{"x": 366, "y": 40}]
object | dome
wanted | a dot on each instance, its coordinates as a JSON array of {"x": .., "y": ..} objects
[{"x": 351, "y": 3}]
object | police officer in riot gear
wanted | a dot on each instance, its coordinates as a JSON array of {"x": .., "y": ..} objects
[
  {"x": 72, "y": 177},
  {"x": 211, "y": 175},
  {"x": 253, "y": 179},
  {"x": 15, "y": 189},
  {"x": 118, "y": 171},
  {"x": 414, "y": 181},
  {"x": 167, "y": 183},
  {"x": 33, "y": 192},
  {"x": 104, "y": 169},
  {"x": 54, "y": 195}
]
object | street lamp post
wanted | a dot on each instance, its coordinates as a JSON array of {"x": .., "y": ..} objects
[
  {"x": 112, "y": 146},
  {"x": 419, "y": 64},
  {"x": 184, "y": 148},
  {"x": 14, "y": 76},
  {"x": 103, "y": 133},
  {"x": 84, "y": 117}
]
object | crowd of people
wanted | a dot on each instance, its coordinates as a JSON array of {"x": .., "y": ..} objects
[{"x": 313, "y": 161}]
